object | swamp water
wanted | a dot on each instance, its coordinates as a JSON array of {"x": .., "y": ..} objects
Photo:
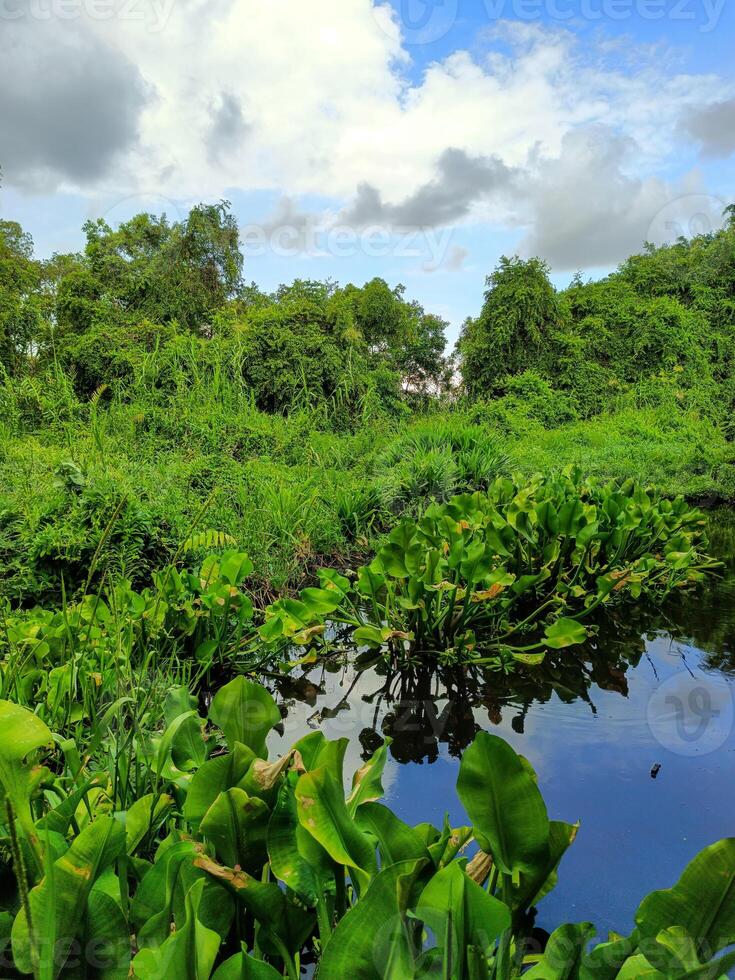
[{"x": 634, "y": 736}]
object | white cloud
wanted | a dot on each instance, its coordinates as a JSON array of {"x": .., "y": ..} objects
[{"x": 315, "y": 98}]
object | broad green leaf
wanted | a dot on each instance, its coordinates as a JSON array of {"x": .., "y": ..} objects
[
  {"x": 533, "y": 887},
  {"x": 56, "y": 902},
  {"x": 323, "y": 813},
  {"x": 244, "y": 967},
  {"x": 245, "y": 712},
  {"x": 317, "y": 752},
  {"x": 236, "y": 824},
  {"x": 674, "y": 952},
  {"x": 216, "y": 776},
  {"x": 638, "y": 968},
  {"x": 188, "y": 748},
  {"x": 460, "y": 914},
  {"x": 145, "y": 816},
  {"x": 188, "y": 954},
  {"x": 563, "y": 954},
  {"x": 719, "y": 969},
  {"x": 107, "y": 937},
  {"x": 396, "y": 840},
  {"x": 160, "y": 900},
  {"x": 702, "y": 902},
  {"x": 283, "y": 922},
  {"x": 22, "y": 733},
  {"x": 366, "y": 782},
  {"x": 605, "y": 960},
  {"x": 373, "y": 941},
  {"x": 505, "y": 805},
  {"x": 564, "y": 633},
  {"x": 295, "y": 856}
]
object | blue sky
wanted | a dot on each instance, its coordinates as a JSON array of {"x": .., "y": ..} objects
[{"x": 417, "y": 141}]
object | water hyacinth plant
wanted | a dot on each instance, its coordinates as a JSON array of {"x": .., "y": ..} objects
[{"x": 507, "y": 574}]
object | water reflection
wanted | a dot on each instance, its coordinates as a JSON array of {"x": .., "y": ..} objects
[{"x": 651, "y": 695}]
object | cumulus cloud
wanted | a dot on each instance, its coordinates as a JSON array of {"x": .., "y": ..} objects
[
  {"x": 530, "y": 129},
  {"x": 712, "y": 127},
  {"x": 70, "y": 104},
  {"x": 462, "y": 180},
  {"x": 583, "y": 208}
]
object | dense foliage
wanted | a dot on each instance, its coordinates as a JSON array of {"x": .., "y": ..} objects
[
  {"x": 228, "y": 865},
  {"x": 146, "y": 371},
  {"x": 199, "y": 478}
]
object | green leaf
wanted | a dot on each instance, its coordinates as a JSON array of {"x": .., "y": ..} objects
[
  {"x": 188, "y": 748},
  {"x": 702, "y": 902},
  {"x": 505, "y": 805},
  {"x": 638, "y": 968},
  {"x": 396, "y": 840},
  {"x": 214, "y": 777},
  {"x": 145, "y": 816},
  {"x": 22, "y": 733},
  {"x": 563, "y": 954},
  {"x": 533, "y": 887},
  {"x": 244, "y": 967},
  {"x": 564, "y": 633},
  {"x": 366, "y": 782},
  {"x": 323, "y": 813},
  {"x": 317, "y": 752},
  {"x": 373, "y": 941},
  {"x": 160, "y": 900},
  {"x": 245, "y": 712},
  {"x": 236, "y": 825},
  {"x": 188, "y": 954},
  {"x": 284, "y": 924},
  {"x": 461, "y": 914},
  {"x": 235, "y": 567},
  {"x": 296, "y": 858},
  {"x": 107, "y": 936},
  {"x": 63, "y": 893},
  {"x": 674, "y": 952},
  {"x": 606, "y": 959}
]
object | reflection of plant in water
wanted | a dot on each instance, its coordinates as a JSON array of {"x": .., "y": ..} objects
[{"x": 420, "y": 708}]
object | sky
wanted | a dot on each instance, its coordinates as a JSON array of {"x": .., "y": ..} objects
[{"x": 416, "y": 140}]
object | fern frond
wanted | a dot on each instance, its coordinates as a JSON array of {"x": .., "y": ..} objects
[{"x": 207, "y": 540}]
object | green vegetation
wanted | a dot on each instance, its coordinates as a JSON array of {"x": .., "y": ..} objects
[
  {"x": 232, "y": 866},
  {"x": 199, "y": 478}
]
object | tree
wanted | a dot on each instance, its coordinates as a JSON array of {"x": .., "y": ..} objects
[
  {"x": 21, "y": 309},
  {"x": 514, "y": 330},
  {"x": 149, "y": 268}
]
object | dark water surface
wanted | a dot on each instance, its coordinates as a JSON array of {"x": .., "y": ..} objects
[{"x": 656, "y": 689}]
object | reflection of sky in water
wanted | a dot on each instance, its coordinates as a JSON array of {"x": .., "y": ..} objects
[{"x": 647, "y": 701}]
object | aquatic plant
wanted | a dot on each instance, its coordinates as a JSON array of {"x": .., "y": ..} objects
[
  {"x": 234, "y": 866},
  {"x": 511, "y": 573}
]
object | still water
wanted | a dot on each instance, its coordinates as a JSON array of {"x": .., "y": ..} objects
[{"x": 634, "y": 737}]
